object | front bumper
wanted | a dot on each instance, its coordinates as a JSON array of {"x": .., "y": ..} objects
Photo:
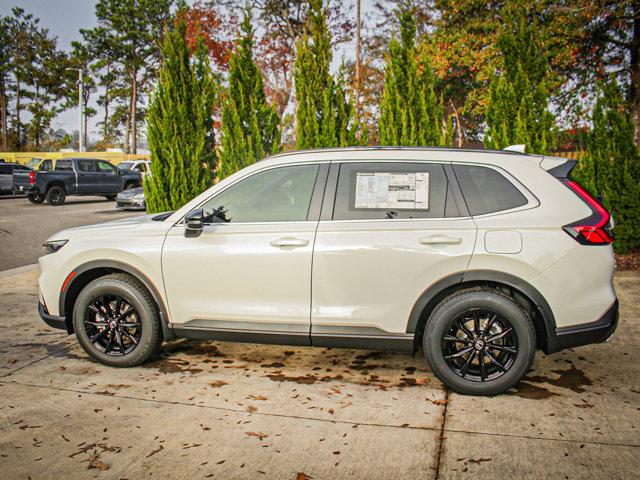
[
  {"x": 128, "y": 204},
  {"x": 595, "y": 332},
  {"x": 52, "y": 320}
]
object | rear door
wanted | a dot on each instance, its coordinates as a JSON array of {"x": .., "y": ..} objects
[
  {"x": 388, "y": 231},
  {"x": 6, "y": 177},
  {"x": 87, "y": 176}
]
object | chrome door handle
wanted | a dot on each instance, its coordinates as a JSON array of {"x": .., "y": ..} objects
[
  {"x": 289, "y": 242},
  {"x": 440, "y": 239}
]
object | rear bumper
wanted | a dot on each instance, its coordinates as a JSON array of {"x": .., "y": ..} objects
[
  {"x": 595, "y": 332},
  {"x": 52, "y": 320},
  {"x": 126, "y": 204}
]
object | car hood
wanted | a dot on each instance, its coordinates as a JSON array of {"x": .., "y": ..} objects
[
  {"x": 123, "y": 224},
  {"x": 132, "y": 192}
]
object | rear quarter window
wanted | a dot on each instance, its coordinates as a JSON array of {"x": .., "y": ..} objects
[
  {"x": 5, "y": 170},
  {"x": 64, "y": 165},
  {"x": 486, "y": 190}
]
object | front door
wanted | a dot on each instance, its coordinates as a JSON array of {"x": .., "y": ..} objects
[
  {"x": 248, "y": 275},
  {"x": 393, "y": 230},
  {"x": 110, "y": 181},
  {"x": 87, "y": 176}
]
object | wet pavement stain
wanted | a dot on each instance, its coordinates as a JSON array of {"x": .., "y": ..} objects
[
  {"x": 572, "y": 379},
  {"x": 531, "y": 392}
]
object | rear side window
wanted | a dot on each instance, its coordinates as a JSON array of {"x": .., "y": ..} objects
[
  {"x": 486, "y": 190},
  {"x": 64, "y": 165},
  {"x": 375, "y": 191},
  {"x": 46, "y": 165},
  {"x": 87, "y": 165}
]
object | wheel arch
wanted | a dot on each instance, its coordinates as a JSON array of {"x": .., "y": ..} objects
[
  {"x": 89, "y": 271},
  {"x": 57, "y": 183},
  {"x": 522, "y": 292}
]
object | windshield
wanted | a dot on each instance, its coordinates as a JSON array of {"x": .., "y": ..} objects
[
  {"x": 33, "y": 162},
  {"x": 125, "y": 166}
]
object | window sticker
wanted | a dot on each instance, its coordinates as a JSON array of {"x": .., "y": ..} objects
[{"x": 392, "y": 190}]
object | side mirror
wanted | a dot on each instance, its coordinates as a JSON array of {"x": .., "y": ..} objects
[{"x": 193, "y": 223}]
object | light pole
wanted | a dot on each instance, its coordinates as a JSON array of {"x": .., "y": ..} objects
[{"x": 80, "y": 112}]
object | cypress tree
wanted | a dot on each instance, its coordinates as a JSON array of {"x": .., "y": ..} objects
[
  {"x": 610, "y": 168},
  {"x": 324, "y": 115},
  {"x": 250, "y": 126},
  {"x": 180, "y": 125},
  {"x": 517, "y": 110},
  {"x": 410, "y": 111}
]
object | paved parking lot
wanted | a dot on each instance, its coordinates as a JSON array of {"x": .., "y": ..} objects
[
  {"x": 224, "y": 410},
  {"x": 25, "y": 226}
]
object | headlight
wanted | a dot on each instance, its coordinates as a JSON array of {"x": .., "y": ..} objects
[
  {"x": 140, "y": 196},
  {"x": 54, "y": 245}
]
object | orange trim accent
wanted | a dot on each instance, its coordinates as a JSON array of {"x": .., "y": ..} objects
[{"x": 67, "y": 280}]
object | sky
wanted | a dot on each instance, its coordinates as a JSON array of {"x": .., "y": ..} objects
[{"x": 65, "y": 18}]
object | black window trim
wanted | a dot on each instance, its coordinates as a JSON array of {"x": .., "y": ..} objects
[
  {"x": 328, "y": 205},
  {"x": 316, "y": 195}
]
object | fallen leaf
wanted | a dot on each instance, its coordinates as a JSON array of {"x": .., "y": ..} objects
[
  {"x": 261, "y": 436},
  {"x": 303, "y": 476},
  {"x": 95, "y": 462},
  {"x": 217, "y": 383},
  {"x": 251, "y": 408},
  {"x": 257, "y": 397}
]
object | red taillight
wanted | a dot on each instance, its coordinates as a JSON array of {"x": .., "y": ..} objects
[
  {"x": 32, "y": 177},
  {"x": 593, "y": 230}
]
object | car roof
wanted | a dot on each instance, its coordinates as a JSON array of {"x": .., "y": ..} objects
[{"x": 397, "y": 148}]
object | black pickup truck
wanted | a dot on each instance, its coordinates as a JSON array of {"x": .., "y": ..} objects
[{"x": 74, "y": 176}]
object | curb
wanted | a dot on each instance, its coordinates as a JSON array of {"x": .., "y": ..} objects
[{"x": 18, "y": 270}]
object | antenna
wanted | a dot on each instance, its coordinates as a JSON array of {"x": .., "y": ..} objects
[{"x": 516, "y": 148}]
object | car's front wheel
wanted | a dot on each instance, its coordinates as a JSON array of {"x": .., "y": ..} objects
[
  {"x": 116, "y": 321},
  {"x": 479, "y": 342}
]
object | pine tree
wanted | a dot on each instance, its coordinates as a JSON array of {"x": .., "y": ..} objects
[
  {"x": 324, "y": 115},
  {"x": 611, "y": 167},
  {"x": 411, "y": 113},
  {"x": 517, "y": 110},
  {"x": 180, "y": 125},
  {"x": 250, "y": 126}
]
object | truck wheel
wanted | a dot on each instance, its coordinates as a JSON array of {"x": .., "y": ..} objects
[
  {"x": 35, "y": 198},
  {"x": 116, "y": 321},
  {"x": 479, "y": 342},
  {"x": 56, "y": 195}
]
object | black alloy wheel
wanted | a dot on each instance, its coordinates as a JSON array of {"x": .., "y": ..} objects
[
  {"x": 113, "y": 325},
  {"x": 480, "y": 345}
]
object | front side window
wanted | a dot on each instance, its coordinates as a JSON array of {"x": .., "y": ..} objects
[
  {"x": 280, "y": 194},
  {"x": 486, "y": 190},
  {"x": 374, "y": 191},
  {"x": 105, "y": 167}
]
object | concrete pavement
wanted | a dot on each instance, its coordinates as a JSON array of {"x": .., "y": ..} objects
[{"x": 225, "y": 410}]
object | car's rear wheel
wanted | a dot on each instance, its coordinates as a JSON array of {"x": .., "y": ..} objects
[
  {"x": 116, "y": 321},
  {"x": 479, "y": 342},
  {"x": 35, "y": 198},
  {"x": 56, "y": 195}
]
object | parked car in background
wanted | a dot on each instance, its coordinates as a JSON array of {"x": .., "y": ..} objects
[
  {"x": 132, "y": 199},
  {"x": 74, "y": 176},
  {"x": 142, "y": 166},
  {"x": 478, "y": 257},
  {"x": 6, "y": 175}
]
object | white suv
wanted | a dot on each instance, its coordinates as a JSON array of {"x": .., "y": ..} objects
[{"x": 479, "y": 257}]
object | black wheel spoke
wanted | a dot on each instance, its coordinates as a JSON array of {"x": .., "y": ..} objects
[
  {"x": 130, "y": 337},
  {"x": 483, "y": 370},
  {"x": 98, "y": 335},
  {"x": 467, "y": 364},
  {"x": 107, "y": 307},
  {"x": 118, "y": 305},
  {"x": 110, "y": 342},
  {"x": 119, "y": 340},
  {"x": 476, "y": 322},
  {"x": 489, "y": 323},
  {"x": 451, "y": 338},
  {"x": 128, "y": 311},
  {"x": 503, "y": 348},
  {"x": 96, "y": 310},
  {"x": 495, "y": 361},
  {"x": 500, "y": 335},
  {"x": 461, "y": 325},
  {"x": 459, "y": 353}
]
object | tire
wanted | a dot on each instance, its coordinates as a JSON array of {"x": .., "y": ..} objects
[
  {"x": 35, "y": 198},
  {"x": 88, "y": 323},
  {"x": 111, "y": 198},
  {"x": 56, "y": 195},
  {"x": 449, "y": 347}
]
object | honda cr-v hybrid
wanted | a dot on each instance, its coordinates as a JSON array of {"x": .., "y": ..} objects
[{"x": 477, "y": 257}]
